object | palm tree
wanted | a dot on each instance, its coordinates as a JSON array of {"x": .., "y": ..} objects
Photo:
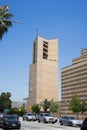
[{"x": 5, "y": 20}]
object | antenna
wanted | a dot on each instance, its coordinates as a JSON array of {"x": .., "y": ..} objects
[{"x": 36, "y": 32}]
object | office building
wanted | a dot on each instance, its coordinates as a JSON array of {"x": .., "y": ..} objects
[{"x": 74, "y": 80}]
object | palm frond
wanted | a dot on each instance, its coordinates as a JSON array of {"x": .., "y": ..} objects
[
  {"x": 5, "y": 18},
  {"x": 7, "y": 15},
  {"x": 2, "y": 31}
]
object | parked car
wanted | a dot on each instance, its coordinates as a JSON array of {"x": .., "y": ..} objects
[
  {"x": 47, "y": 118},
  {"x": 1, "y": 115},
  {"x": 10, "y": 121},
  {"x": 70, "y": 121},
  {"x": 29, "y": 117},
  {"x": 84, "y": 125},
  {"x": 16, "y": 115}
]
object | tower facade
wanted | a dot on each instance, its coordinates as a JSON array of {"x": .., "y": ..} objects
[{"x": 43, "y": 72}]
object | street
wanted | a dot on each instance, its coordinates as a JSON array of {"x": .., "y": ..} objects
[
  {"x": 36, "y": 126},
  {"x": 30, "y": 125}
]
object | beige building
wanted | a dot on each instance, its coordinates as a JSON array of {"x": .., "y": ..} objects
[
  {"x": 43, "y": 72},
  {"x": 74, "y": 80}
]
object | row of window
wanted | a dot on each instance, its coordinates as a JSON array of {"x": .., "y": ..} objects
[{"x": 45, "y": 50}]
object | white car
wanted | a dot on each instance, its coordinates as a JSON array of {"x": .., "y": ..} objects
[
  {"x": 47, "y": 118},
  {"x": 29, "y": 117},
  {"x": 70, "y": 121}
]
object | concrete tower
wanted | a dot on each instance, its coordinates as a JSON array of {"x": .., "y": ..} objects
[{"x": 43, "y": 72}]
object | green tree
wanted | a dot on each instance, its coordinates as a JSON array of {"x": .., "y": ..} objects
[
  {"x": 75, "y": 104},
  {"x": 5, "y": 102},
  {"x": 53, "y": 107},
  {"x": 14, "y": 110},
  {"x": 36, "y": 108},
  {"x": 83, "y": 107},
  {"x": 45, "y": 105},
  {"x": 19, "y": 111},
  {"x": 5, "y": 20}
]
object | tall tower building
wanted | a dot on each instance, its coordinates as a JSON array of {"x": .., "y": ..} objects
[{"x": 43, "y": 72}]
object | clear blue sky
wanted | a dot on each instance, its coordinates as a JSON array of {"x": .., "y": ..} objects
[{"x": 62, "y": 19}]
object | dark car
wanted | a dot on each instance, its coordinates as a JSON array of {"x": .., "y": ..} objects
[
  {"x": 10, "y": 121},
  {"x": 84, "y": 125},
  {"x": 70, "y": 121}
]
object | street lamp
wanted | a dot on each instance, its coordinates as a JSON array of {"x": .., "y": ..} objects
[{"x": 65, "y": 107}]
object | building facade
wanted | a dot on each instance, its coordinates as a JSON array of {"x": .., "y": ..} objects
[
  {"x": 74, "y": 80},
  {"x": 43, "y": 72}
]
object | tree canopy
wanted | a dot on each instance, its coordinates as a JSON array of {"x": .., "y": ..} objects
[
  {"x": 83, "y": 107},
  {"x": 45, "y": 105},
  {"x": 53, "y": 107},
  {"x": 50, "y": 106},
  {"x": 5, "y": 102},
  {"x": 75, "y": 104},
  {"x": 36, "y": 108}
]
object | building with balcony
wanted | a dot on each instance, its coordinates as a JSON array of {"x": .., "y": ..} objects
[
  {"x": 74, "y": 80},
  {"x": 43, "y": 72}
]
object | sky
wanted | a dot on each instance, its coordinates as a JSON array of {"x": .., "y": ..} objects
[{"x": 65, "y": 20}]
